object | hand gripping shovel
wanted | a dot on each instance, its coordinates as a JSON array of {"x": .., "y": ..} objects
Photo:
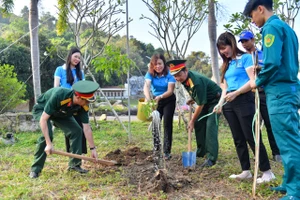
[
  {"x": 103, "y": 162},
  {"x": 189, "y": 158}
]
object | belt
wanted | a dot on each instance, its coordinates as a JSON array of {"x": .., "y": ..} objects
[{"x": 230, "y": 91}]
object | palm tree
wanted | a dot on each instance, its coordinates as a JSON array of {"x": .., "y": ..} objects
[
  {"x": 34, "y": 43},
  {"x": 212, "y": 33}
]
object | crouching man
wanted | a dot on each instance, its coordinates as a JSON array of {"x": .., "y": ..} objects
[
  {"x": 59, "y": 105},
  {"x": 206, "y": 94}
]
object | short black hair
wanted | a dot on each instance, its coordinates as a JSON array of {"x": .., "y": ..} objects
[{"x": 253, "y": 4}]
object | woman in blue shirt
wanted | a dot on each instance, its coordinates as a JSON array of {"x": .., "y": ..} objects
[
  {"x": 237, "y": 69},
  {"x": 71, "y": 72},
  {"x": 65, "y": 76},
  {"x": 162, "y": 85}
]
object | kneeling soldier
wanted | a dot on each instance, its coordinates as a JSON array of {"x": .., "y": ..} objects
[{"x": 59, "y": 105}]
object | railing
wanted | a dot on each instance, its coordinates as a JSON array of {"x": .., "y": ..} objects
[{"x": 113, "y": 93}]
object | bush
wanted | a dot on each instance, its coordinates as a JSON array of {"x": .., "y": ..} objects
[{"x": 11, "y": 90}]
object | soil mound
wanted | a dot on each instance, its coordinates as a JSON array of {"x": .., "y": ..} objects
[{"x": 138, "y": 168}]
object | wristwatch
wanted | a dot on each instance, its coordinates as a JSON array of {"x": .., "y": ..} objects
[
  {"x": 161, "y": 96},
  {"x": 92, "y": 148}
]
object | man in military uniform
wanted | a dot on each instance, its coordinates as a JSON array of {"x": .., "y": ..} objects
[
  {"x": 282, "y": 88},
  {"x": 206, "y": 94},
  {"x": 248, "y": 42},
  {"x": 59, "y": 105}
]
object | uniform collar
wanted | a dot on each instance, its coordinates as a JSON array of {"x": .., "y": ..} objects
[
  {"x": 273, "y": 17},
  {"x": 186, "y": 82}
]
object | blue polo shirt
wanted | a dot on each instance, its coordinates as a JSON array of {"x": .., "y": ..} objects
[
  {"x": 236, "y": 75},
  {"x": 61, "y": 72},
  {"x": 159, "y": 85}
]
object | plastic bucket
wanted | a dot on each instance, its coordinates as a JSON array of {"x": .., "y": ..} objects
[{"x": 140, "y": 114}]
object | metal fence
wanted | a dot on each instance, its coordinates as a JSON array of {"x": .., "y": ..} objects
[{"x": 113, "y": 93}]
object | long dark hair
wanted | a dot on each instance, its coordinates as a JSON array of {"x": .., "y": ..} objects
[
  {"x": 153, "y": 61},
  {"x": 225, "y": 39},
  {"x": 70, "y": 78}
]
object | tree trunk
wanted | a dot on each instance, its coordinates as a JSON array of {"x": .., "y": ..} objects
[
  {"x": 212, "y": 33},
  {"x": 34, "y": 43}
]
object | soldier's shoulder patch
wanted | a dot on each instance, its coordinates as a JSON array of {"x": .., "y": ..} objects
[
  {"x": 269, "y": 40},
  {"x": 63, "y": 102},
  {"x": 86, "y": 108},
  {"x": 191, "y": 84}
]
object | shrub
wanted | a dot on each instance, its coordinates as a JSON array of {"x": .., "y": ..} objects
[{"x": 11, "y": 90}]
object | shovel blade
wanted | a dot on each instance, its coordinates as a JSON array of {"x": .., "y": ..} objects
[{"x": 188, "y": 159}]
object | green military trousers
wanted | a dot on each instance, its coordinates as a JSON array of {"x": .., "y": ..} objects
[
  {"x": 283, "y": 111},
  {"x": 206, "y": 131},
  {"x": 71, "y": 130}
]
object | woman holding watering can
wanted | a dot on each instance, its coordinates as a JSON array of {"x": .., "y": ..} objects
[{"x": 161, "y": 83}]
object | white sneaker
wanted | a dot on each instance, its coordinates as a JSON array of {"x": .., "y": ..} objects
[
  {"x": 266, "y": 177},
  {"x": 244, "y": 175}
]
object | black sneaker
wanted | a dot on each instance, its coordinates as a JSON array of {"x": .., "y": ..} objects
[
  {"x": 167, "y": 156},
  {"x": 33, "y": 175},
  {"x": 78, "y": 169},
  {"x": 208, "y": 163}
]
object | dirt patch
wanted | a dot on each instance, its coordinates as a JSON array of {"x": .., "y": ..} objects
[{"x": 174, "y": 180}]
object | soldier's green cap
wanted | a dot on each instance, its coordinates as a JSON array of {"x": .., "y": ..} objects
[
  {"x": 176, "y": 66},
  {"x": 86, "y": 89}
]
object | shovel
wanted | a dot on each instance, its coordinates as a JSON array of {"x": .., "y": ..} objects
[
  {"x": 189, "y": 157},
  {"x": 104, "y": 162}
]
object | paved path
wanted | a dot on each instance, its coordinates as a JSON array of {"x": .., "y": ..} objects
[{"x": 124, "y": 118}]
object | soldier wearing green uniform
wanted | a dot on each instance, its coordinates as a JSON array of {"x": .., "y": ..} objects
[
  {"x": 206, "y": 94},
  {"x": 282, "y": 87},
  {"x": 59, "y": 105}
]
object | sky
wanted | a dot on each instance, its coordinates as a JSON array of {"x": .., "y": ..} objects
[{"x": 140, "y": 29}]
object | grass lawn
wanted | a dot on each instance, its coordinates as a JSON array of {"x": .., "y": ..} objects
[{"x": 103, "y": 182}]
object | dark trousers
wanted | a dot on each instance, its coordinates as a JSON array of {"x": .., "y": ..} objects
[
  {"x": 166, "y": 109},
  {"x": 239, "y": 113},
  {"x": 67, "y": 139},
  {"x": 265, "y": 116}
]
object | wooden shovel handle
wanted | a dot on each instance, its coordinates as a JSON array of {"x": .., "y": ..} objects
[
  {"x": 190, "y": 132},
  {"x": 104, "y": 162}
]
